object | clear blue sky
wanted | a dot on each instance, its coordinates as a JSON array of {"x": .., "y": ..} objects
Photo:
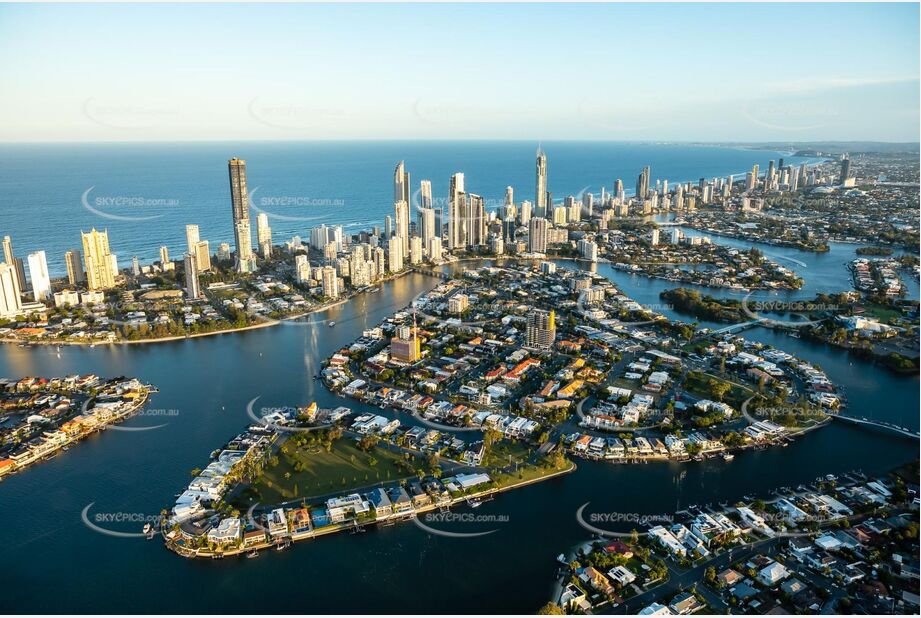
[{"x": 717, "y": 72}]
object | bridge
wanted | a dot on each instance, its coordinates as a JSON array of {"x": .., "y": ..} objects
[
  {"x": 866, "y": 422},
  {"x": 732, "y": 328},
  {"x": 430, "y": 272}
]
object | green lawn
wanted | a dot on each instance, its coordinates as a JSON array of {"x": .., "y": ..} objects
[
  {"x": 699, "y": 388},
  {"x": 307, "y": 471},
  {"x": 881, "y": 312},
  {"x": 499, "y": 453}
]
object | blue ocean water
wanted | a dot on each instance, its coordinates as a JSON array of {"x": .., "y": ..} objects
[{"x": 145, "y": 194}]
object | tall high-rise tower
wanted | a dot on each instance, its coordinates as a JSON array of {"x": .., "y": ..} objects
[
  {"x": 74, "y": 262},
  {"x": 540, "y": 189},
  {"x": 18, "y": 269},
  {"x": 401, "y": 204},
  {"x": 845, "y": 168},
  {"x": 100, "y": 263},
  {"x": 239, "y": 201},
  {"x": 642, "y": 184},
  {"x": 457, "y": 216}
]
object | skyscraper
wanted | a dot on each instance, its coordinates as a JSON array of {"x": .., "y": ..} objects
[
  {"x": 537, "y": 235},
  {"x": 100, "y": 263},
  {"x": 10, "y": 302},
  {"x": 642, "y": 184},
  {"x": 192, "y": 288},
  {"x": 588, "y": 204},
  {"x": 302, "y": 268},
  {"x": 239, "y": 202},
  {"x": 427, "y": 224},
  {"x": 38, "y": 273},
  {"x": 540, "y": 189},
  {"x": 74, "y": 262},
  {"x": 18, "y": 270},
  {"x": 264, "y": 235},
  {"x": 524, "y": 212},
  {"x": 425, "y": 194},
  {"x": 476, "y": 221},
  {"x": 541, "y": 330},
  {"x": 433, "y": 248},
  {"x": 330, "y": 282},
  {"x": 425, "y": 202},
  {"x": 509, "y": 196},
  {"x": 395, "y": 254},
  {"x": 457, "y": 216},
  {"x": 203, "y": 256},
  {"x": 845, "y": 169},
  {"x": 191, "y": 237},
  {"x": 401, "y": 200}
]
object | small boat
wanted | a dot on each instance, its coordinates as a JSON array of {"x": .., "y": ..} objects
[
  {"x": 562, "y": 559},
  {"x": 252, "y": 554},
  {"x": 728, "y": 456},
  {"x": 331, "y": 324},
  {"x": 474, "y": 503},
  {"x": 283, "y": 546}
]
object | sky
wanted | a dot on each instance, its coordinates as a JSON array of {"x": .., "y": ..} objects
[{"x": 671, "y": 72}]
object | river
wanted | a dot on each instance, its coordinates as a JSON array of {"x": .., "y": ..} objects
[{"x": 54, "y": 563}]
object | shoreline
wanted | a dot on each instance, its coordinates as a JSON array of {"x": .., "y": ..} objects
[
  {"x": 122, "y": 416},
  {"x": 354, "y": 525},
  {"x": 223, "y": 331}
]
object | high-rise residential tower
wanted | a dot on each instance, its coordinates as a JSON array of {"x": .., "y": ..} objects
[
  {"x": 538, "y": 231},
  {"x": 101, "y": 266},
  {"x": 264, "y": 235},
  {"x": 642, "y": 184},
  {"x": 239, "y": 201},
  {"x": 401, "y": 200},
  {"x": 457, "y": 215},
  {"x": 192, "y": 288},
  {"x": 74, "y": 262},
  {"x": 38, "y": 273},
  {"x": 540, "y": 189},
  {"x": 10, "y": 302},
  {"x": 541, "y": 330},
  {"x": 19, "y": 270}
]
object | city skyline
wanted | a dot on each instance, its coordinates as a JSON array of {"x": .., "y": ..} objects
[{"x": 613, "y": 85}]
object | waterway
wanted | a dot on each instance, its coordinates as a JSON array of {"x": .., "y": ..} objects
[{"x": 54, "y": 563}]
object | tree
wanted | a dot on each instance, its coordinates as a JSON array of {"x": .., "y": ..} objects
[
  {"x": 551, "y": 609},
  {"x": 718, "y": 388}
]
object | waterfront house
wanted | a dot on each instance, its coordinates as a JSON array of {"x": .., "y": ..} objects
[
  {"x": 420, "y": 498},
  {"x": 400, "y": 500},
  {"x": 754, "y": 521},
  {"x": 667, "y": 540},
  {"x": 618, "y": 548},
  {"x": 277, "y": 523},
  {"x": 383, "y": 508},
  {"x": 299, "y": 522},
  {"x": 227, "y": 532},
  {"x": 574, "y": 598},
  {"x": 344, "y": 507},
  {"x": 470, "y": 481},
  {"x": 253, "y": 536}
]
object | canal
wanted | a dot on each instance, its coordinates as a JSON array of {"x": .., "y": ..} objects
[{"x": 54, "y": 563}]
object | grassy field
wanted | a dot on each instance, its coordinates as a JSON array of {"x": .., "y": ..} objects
[
  {"x": 500, "y": 452},
  {"x": 880, "y": 312},
  {"x": 302, "y": 472},
  {"x": 699, "y": 388}
]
